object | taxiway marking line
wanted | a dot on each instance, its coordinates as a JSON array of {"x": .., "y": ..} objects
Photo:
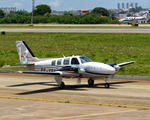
[
  {"x": 89, "y": 115},
  {"x": 75, "y": 102}
]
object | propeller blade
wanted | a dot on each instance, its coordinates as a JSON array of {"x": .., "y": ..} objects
[
  {"x": 79, "y": 79},
  {"x": 112, "y": 76}
]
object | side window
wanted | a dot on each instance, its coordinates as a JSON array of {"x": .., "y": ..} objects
[
  {"x": 58, "y": 62},
  {"x": 66, "y": 61},
  {"x": 53, "y": 62},
  {"x": 74, "y": 61}
]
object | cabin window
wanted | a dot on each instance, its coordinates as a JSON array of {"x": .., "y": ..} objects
[
  {"x": 59, "y": 62},
  {"x": 74, "y": 61},
  {"x": 53, "y": 62},
  {"x": 66, "y": 61}
]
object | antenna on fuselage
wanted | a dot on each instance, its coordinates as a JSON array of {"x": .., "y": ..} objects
[{"x": 63, "y": 55}]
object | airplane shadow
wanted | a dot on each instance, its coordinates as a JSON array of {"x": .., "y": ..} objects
[
  {"x": 27, "y": 84},
  {"x": 81, "y": 87}
]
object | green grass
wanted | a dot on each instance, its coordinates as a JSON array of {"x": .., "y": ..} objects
[
  {"x": 98, "y": 47},
  {"x": 67, "y": 101},
  {"x": 48, "y": 27}
]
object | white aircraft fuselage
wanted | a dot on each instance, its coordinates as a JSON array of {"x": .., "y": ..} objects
[
  {"x": 87, "y": 67},
  {"x": 68, "y": 67}
]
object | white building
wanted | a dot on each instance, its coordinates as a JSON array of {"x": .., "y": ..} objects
[{"x": 8, "y": 9}]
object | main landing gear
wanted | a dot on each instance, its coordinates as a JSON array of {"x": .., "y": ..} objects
[
  {"x": 91, "y": 82},
  {"x": 59, "y": 81},
  {"x": 62, "y": 85}
]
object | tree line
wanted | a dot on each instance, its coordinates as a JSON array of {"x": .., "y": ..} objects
[{"x": 42, "y": 14}]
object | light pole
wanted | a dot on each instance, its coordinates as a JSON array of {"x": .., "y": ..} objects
[{"x": 32, "y": 11}]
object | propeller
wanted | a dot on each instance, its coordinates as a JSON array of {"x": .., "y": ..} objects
[
  {"x": 76, "y": 70},
  {"x": 79, "y": 79},
  {"x": 114, "y": 65},
  {"x": 118, "y": 66},
  {"x": 112, "y": 76},
  {"x": 80, "y": 72}
]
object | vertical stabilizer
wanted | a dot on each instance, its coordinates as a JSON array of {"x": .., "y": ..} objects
[
  {"x": 25, "y": 54},
  {"x": 145, "y": 15}
]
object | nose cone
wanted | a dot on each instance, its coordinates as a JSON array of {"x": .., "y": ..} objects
[
  {"x": 106, "y": 69},
  {"x": 100, "y": 68},
  {"x": 111, "y": 70}
]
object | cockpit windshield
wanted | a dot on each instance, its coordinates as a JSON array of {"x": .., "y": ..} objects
[{"x": 85, "y": 59}]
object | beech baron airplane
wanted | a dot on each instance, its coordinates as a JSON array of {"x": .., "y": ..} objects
[{"x": 66, "y": 67}]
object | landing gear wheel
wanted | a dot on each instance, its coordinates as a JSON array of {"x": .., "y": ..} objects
[
  {"x": 107, "y": 85},
  {"x": 62, "y": 86},
  {"x": 91, "y": 82}
]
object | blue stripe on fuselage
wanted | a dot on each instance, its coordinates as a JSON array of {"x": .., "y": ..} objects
[{"x": 126, "y": 20}]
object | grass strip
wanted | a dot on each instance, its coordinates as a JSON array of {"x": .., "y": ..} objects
[{"x": 100, "y": 47}]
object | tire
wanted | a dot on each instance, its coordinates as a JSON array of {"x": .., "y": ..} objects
[
  {"x": 62, "y": 86},
  {"x": 107, "y": 85},
  {"x": 91, "y": 82}
]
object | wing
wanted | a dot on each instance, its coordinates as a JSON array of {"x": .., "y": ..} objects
[
  {"x": 126, "y": 63},
  {"x": 47, "y": 73},
  {"x": 64, "y": 71}
]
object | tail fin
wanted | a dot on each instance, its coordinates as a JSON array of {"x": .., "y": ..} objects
[
  {"x": 25, "y": 54},
  {"x": 145, "y": 15}
]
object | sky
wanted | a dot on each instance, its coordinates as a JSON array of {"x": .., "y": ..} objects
[{"x": 67, "y": 5}]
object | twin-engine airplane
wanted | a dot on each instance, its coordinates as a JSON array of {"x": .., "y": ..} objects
[
  {"x": 66, "y": 67},
  {"x": 131, "y": 20}
]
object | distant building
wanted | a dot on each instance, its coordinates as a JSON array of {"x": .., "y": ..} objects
[
  {"x": 122, "y": 15},
  {"x": 118, "y": 5},
  {"x": 131, "y": 5},
  {"x": 127, "y": 5},
  {"x": 136, "y": 5},
  {"x": 8, "y": 9},
  {"x": 85, "y": 11},
  {"x": 123, "y": 6}
]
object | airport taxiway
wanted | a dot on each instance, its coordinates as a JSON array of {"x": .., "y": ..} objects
[
  {"x": 144, "y": 28},
  {"x": 79, "y": 30},
  {"x": 38, "y": 97}
]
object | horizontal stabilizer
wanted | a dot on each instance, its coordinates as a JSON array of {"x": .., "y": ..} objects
[{"x": 16, "y": 66}]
